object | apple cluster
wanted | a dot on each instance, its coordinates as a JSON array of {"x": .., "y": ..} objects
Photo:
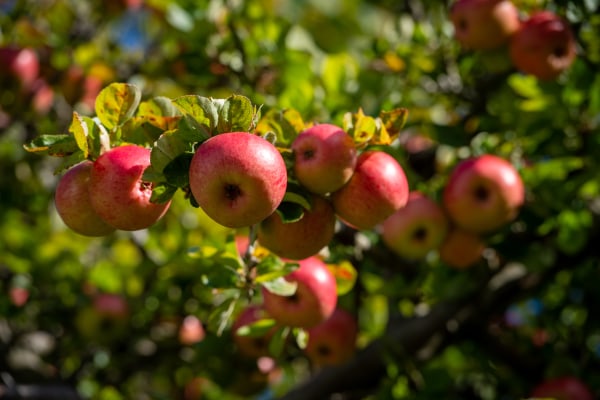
[
  {"x": 542, "y": 44},
  {"x": 482, "y": 194}
]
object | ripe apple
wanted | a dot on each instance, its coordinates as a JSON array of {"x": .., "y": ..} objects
[
  {"x": 238, "y": 178},
  {"x": 324, "y": 158},
  {"x": 377, "y": 189},
  {"x": 117, "y": 191},
  {"x": 18, "y": 295},
  {"x": 22, "y": 63},
  {"x": 483, "y": 194},
  {"x": 251, "y": 346},
  {"x": 415, "y": 229},
  {"x": 43, "y": 97},
  {"x": 333, "y": 341},
  {"x": 191, "y": 330},
  {"x": 111, "y": 305},
  {"x": 73, "y": 202},
  {"x": 563, "y": 388},
  {"x": 544, "y": 46},
  {"x": 300, "y": 239},
  {"x": 461, "y": 249},
  {"x": 484, "y": 24},
  {"x": 314, "y": 300}
]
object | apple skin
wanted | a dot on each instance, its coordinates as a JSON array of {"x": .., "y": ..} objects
[
  {"x": 483, "y": 194},
  {"x": 111, "y": 305},
  {"x": 18, "y": 296},
  {"x": 315, "y": 298},
  {"x": 461, "y": 249},
  {"x": 484, "y": 24},
  {"x": 117, "y": 191},
  {"x": 238, "y": 178},
  {"x": 544, "y": 46},
  {"x": 563, "y": 388},
  {"x": 73, "y": 202},
  {"x": 333, "y": 341},
  {"x": 377, "y": 189},
  {"x": 251, "y": 346},
  {"x": 303, "y": 238},
  {"x": 22, "y": 63},
  {"x": 191, "y": 331},
  {"x": 324, "y": 158},
  {"x": 415, "y": 229}
]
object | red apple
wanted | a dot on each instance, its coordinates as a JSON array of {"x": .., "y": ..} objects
[
  {"x": 251, "y": 346},
  {"x": 461, "y": 249},
  {"x": 544, "y": 46},
  {"x": 23, "y": 64},
  {"x": 117, "y": 191},
  {"x": 191, "y": 331},
  {"x": 415, "y": 229},
  {"x": 238, "y": 178},
  {"x": 563, "y": 388},
  {"x": 483, "y": 194},
  {"x": 484, "y": 24},
  {"x": 333, "y": 341},
  {"x": 324, "y": 158},
  {"x": 377, "y": 189},
  {"x": 300, "y": 239},
  {"x": 73, "y": 202},
  {"x": 111, "y": 305},
  {"x": 314, "y": 300},
  {"x": 43, "y": 97},
  {"x": 18, "y": 295}
]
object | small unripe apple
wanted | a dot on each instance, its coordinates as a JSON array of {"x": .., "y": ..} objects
[
  {"x": 415, "y": 229},
  {"x": 247, "y": 345},
  {"x": 563, "y": 388},
  {"x": 314, "y": 300},
  {"x": 238, "y": 178},
  {"x": 333, "y": 341},
  {"x": 324, "y": 158},
  {"x": 544, "y": 46},
  {"x": 461, "y": 249},
  {"x": 483, "y": 194},
  {"x": 73, "y": 202},
  {"x": 484, "y": 24},
  {"x": 117, "y": 191},
  {"x": 300, "y": 239},
  {"x": 377, "y": 189}
]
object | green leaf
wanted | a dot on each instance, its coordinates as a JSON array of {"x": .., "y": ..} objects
[
  {"x": 201, "y": 109},
  {"x": 54, "y": 145},
  {"x": 295, "y": 201},
  {"x": 191, "y": 131},
  {"x": 556, "y": 169},
  {"x": 257, "y": 329},
  {"x": 280, "y": 286},
  {"x": 221, "y": 314},
  {"x": 159, "y": 106},
  {"x": 236, "y": 114},
  {"x": 222, "y": 276},
  {"x": 162, "y": 193},
  {"x": 345, "y": 276},
  {"x": 272, "y": 267},
  {"x": 177, "y": 171},
  {"x": 286, "y": 125},
  {"x": 79, "y": 129},
  {"x": 278, "y": 341},
  {"x": 117, "y": 103},
  {"x": 290, "y": 212},
  {"x": 301, "y": 336},
  {"x": 168, "y": 147}
]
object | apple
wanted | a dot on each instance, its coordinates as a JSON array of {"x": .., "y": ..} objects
[
  {"x": 324, "y": 158},
  {"x": 111, "y": 305},
  {"x": 333, "y": 341},
  {"x": 117, "y": 191},
  {"x": 313, "y": 302},
  {"x": 483, "y": 193},
  {"x": 484, "y": 24},
  {"x": 18, "y": 295},
  {"x": 300, "y": 239},
  {"x": 544, "y": 46},
  {"x": 43, "y": 97},
  {"x": 415, "y": 229},
  {"x": 194, "y": 388},
  {"x": 73, "y": 202},
  {"x": 377, "y": 189},
  {"x": 251, "y": 346},
  {"x": 22, "y": 63},
  {"x": 461, "y": 249},
  {"x": 238, "y": 178},
  {"x": 563, "y": 388},
  {"x": 191, "y": 331}
]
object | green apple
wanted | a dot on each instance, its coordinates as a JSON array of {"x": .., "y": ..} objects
[{"x": 238, "y": 178}]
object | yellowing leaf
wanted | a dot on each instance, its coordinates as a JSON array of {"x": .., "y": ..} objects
[
  {"x": 79, "y": 129},
  {"x": 345, "y": 276},
  {"x": 117, "y": 103}
]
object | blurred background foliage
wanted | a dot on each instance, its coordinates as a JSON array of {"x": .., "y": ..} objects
[{"x": 323, "y": 59}]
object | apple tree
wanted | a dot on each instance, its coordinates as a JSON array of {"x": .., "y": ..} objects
[{"x": 221, "y": 199}]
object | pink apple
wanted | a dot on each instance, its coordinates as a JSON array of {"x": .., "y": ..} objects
[
  {"x": 415, "y": 229},
  {"x": 251, "y": 346},
  {"x": 544, "y": 46},
  {"x": 73, "y": 202},
  {"x": 461, "y": 249},
  {"x": 300, "y": 239},
  {"x": 18, "y": 295},
  {"x": 324, "y": 158},
  {"x": 563, "y": 388},
  {"x": 111, "y": 305},
  {"x": 333, "y": 341},
  {"x": 117, "y": 191},
  {"x": 238, "y": 178},
  {"x": 22, "y": 63},
  {"x": 191, "y": 331},
  {"x": 314, "y": 300},
  {"x": 43, "y": 97},
  {"x": 377, "y": 189},
  {"x": 483, "y": 194},
  {"x": 484, "y": 24}
]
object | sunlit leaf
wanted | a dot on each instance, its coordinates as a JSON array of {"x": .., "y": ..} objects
[
  {"x": 202, "y": 110},
  {"x": 116, "y": 103},
  {"x": 236, "y": 114},
  {"x": 280, "y": 286},
  {"x": 345, "y": 276},
  {"x": 301, "y": 336},
  {"x": 54, "y": 145},
  {"x": 79, "y": 129},
  {"x": 256, "y": 329}
]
